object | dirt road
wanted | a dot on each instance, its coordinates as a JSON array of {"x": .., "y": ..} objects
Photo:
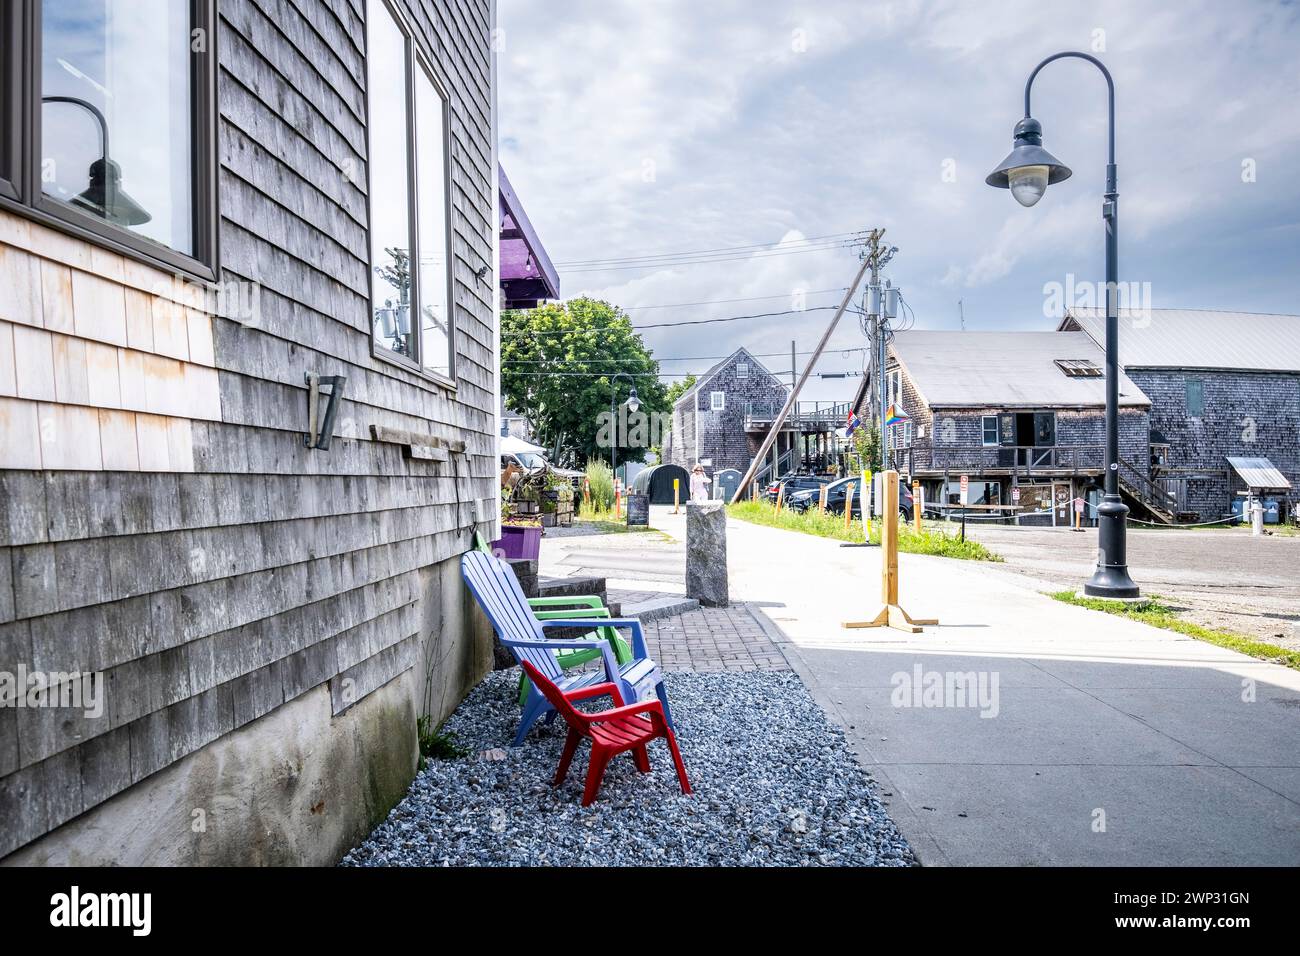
[{"x": 1221, "y": 578}]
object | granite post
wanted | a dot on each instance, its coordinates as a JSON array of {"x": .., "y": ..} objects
[{"x": 706, "y": 553}]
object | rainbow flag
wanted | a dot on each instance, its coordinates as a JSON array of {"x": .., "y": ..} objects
[{"x": 894, "y": 415}]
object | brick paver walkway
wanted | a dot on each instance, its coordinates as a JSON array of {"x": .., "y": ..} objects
[{"x": 713, "y": 639}]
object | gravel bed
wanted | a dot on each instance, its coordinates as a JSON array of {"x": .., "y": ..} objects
[{"x": 774, "y": 782}]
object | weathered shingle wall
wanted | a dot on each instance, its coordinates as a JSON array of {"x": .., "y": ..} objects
[
  {"x": 1247, "y": 414},
  {"x": 722, "y": 435},
  {"x": 221, "y": 569}
]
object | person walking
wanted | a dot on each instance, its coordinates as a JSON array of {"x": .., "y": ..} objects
[{"x": 699, "y": 484}]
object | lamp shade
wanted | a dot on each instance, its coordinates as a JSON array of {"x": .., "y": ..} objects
[
  {"x": 106, "y": 199},
  {"x": 633, "y": 401},
  {"x": 1026, "y": 153}
]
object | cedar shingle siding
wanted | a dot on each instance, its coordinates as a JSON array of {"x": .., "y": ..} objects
[
  {"x": 1246, "y": 414},
  {"x": 211, "y": 592},
  {"x": 722, "y": 435}
]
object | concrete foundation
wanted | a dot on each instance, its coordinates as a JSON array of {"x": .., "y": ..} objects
[{"x": 296, "y": 787}]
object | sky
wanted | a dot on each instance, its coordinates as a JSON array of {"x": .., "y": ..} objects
[{"x": 643, "y": 128}]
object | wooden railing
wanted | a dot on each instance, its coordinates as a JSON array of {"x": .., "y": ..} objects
[
  {"x": 811, "y": 415},
  {"x": 1023, "y": 460}
]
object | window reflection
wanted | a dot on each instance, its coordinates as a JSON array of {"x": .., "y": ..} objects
[
  {"x": 390, "y": 223},
  {"x": 435, "y": 330},
  {"x": 115, "y": 113}
]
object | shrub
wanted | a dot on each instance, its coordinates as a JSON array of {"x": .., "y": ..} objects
[{"x": 600, "y": 482}]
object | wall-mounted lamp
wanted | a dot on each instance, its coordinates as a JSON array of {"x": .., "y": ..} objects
[{"x": 320, "y": 428}]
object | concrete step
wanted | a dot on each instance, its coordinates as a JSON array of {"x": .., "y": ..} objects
[{"x": 660, "y": 607}]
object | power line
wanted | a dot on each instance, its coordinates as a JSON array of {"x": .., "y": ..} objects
[
  {"x": 752, "y": 298},
  {"x": 655, "y": 374},
  {"x": 699, "y": 252},
  {"x": 690, "y": 358},
  {"x": 525, "y": 333},
  {"x": 748, "y": 257}
]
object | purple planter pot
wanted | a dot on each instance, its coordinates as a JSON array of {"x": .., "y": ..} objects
[{"x": 518, "y": 542}]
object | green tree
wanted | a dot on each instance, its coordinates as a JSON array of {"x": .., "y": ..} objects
[
  {"x": 557, "y": 366},
  {"x": 866, "y": 444},
  {"x": 677, "y": 389}
]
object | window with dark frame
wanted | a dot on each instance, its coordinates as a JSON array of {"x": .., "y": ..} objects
[
  {"x": 110, "y": 124},
  {"x": 409, "y": 195},
  {"x": 1194, "y": 393},
  {"x": 11, "y": 97}
]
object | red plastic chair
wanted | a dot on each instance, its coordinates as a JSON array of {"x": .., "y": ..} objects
[{"x": 611, "y": 732}]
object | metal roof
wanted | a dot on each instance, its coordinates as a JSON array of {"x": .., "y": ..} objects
[
  {"x": 1197, "y": 338},
  {"x": 1259, "y": 473},
  {"x": 1006, "y": 369}
]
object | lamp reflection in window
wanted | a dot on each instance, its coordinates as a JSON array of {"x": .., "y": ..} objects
[{"x": 116, "y": 114}]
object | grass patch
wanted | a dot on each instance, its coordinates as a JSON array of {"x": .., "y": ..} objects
[
  {"x": 814, "y": 522},
  {"x": 435, "y": 744},
  {"x": 605, "y": 521},
  {"x": 1151, "y": 611}
]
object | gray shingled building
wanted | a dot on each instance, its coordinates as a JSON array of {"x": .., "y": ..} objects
[
  {"x": 1222, "y": 385},
  {"x": 1021, "y": 414},
  {"x": 250, "y": 626},
  {"x": 711, "y": 419}
]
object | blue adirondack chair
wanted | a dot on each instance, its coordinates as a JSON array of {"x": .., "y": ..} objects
[{"x": 497, "y": 591}]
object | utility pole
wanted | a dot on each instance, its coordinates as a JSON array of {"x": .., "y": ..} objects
[
  {"x": 794, "y": 392},
  {"x": 879, "y": 307}
]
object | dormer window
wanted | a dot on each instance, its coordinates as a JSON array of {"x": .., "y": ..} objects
[{"x": 1079, "y": 368}]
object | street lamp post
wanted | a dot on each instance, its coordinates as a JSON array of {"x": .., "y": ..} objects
[
  {"x": 633, "y": 403},
  {"x": 1027, "y": 172}
]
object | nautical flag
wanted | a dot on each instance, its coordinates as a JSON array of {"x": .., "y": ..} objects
[
  {"x": 894, "y": 414},
  {"x": 853, "y": 424}
]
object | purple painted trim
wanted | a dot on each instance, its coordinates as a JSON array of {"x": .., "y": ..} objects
[{"x": 525, "y": 264}]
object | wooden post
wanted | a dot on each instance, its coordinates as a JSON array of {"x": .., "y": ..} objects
[
  {"x": 618, "y": 500},
  {"x": 821, "y": 503},
  {"x": 780, "y": 496},
  {"x": 917, "y": 505},
  {"x": 891, "y": 614},
  {"x": 677, "y": 494},
  {"x": 848, "y": 507}
]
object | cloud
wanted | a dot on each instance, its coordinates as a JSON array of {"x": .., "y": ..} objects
[{"x": 632, "y": 129}]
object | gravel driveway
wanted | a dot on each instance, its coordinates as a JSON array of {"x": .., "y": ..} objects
[{"x": 774, "y": 781}]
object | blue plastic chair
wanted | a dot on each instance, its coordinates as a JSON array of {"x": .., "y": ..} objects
[{"x": 497, "y": 591}]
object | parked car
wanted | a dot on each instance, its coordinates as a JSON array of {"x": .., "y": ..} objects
[
  {"x": 794, "y": 483},
  {"x": 836, "y": 492}
]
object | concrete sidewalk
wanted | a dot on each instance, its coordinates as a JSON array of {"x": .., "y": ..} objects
[{"x": 1097, "y": 740}]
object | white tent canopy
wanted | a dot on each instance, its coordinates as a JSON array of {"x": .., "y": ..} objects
[{"x": 510, "y": 445}]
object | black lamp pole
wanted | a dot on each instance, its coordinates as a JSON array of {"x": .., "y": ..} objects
[
  {"x": 1027, "y": 172},
  {"x": 632, "y": 402}
]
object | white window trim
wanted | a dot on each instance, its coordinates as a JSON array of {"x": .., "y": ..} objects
[
  {"x": 984, "y": 419},
  {"x": 742, "y": 370},
  {"x": 717, "y": 401}
]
